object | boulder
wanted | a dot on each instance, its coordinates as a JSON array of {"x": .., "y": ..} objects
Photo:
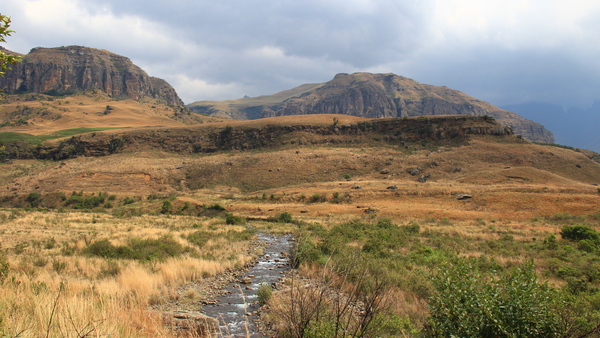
[
  {"x": 414, "y": 171},
  {"x": 191, "y": 324},
  {"x": 463, "y": 197}
]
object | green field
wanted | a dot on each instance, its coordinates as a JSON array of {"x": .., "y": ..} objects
[{"x": 11, "y": 137}]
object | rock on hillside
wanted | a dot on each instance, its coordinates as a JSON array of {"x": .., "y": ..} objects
[
  {"x": 67, "y": 70},
  {"x": 372, "y": 96}
]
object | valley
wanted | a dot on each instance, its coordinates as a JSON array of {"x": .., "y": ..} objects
[
  {"x": 201, "y": 202},
  {"x": 411, "y": 210}
]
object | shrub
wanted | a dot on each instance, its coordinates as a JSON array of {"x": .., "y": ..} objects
[
  {"x": 234, "y": 220},
  {"x": 199, "y": 238},
  {"x": 264, "y": 293},
  {"x": 412, "y": 228},
  {"x": 216, "y": 206},
  {"x": 166, "y": 207},
  {"x": 285, "y": 217},
  {"x": 579, "y": 232},
  {"x": 128, "y": 200},
  {"x": 468, "y": 303},
  {"x": 73, "y": 200},
  {"x": 317, "y": 198},
  {"x": 4, "y": 268},
  {"x": 34, "y": 199},
  {"x": 138, "y": 249},
  {"x": 89, "y": 202},
  {"x": 562, "y": 216}
]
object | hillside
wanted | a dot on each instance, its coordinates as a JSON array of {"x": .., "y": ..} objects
[
  {"x": 160, "y": 220},
  {"x": 459, "y": 153},
  {"x": 53, "y": 89},
  {"x": 371, "y": 96}
]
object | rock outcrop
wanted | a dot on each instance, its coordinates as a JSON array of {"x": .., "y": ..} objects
[
  {"x": 72, "y": 69},
  {"x": 399, "y": 131},
  {"x": 372, "y": 96}
]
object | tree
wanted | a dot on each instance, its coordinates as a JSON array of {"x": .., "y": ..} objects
[{"x": 6, "y": 59}]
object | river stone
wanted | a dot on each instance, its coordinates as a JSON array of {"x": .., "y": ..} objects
[
  {"x": 246, "y": 280},
  {"x": 191, "y": 324}
]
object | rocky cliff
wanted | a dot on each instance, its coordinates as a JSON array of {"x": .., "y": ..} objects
[
  {"x": 406, "y": 132},
  {"x": 72, "y": 69},
  {"x": 372, "y": 96}
]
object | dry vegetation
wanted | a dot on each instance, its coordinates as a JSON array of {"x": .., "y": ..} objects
[
  {"x": 54, "y": 289},
  {"x": 522, "y": 194},
  {"x": 38, "y": 114}
]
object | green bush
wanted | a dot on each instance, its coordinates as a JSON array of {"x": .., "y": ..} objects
[
  {"x": 216, "y": 206},
  {"x": 34, "y": 199},
  {"x": 199, "y": 238},
  {"x": 468, "y": 303},
  {"x": 166, "y": 207},
  {"x": 74, "y": 199},
  {"x": 138, "y": 249},
  {"x": 89, "y": 202},
  {"x": 264, "y": 293},
  {"x": 285, "y": 217},
  {"x": 579, "y": 232},
  {"x": 234, "y": 220},
  {"x": 128, "y": 200}
]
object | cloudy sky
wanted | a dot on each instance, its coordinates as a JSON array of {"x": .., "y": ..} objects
[{"x": 504, "y": 52}]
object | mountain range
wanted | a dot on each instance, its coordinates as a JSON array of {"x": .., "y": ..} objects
[
  {"x": 70, "y": 70},
  {"x": 371, "y": 96}
]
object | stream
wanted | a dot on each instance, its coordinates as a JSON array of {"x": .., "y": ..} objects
[{"x": 236, "y": 309}]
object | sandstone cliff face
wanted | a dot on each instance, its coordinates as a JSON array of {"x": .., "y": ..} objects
[
  {"x": 208, "y": 139},
  {"x": 67, "y": 70},
  {"x": 383, "y": 95}
]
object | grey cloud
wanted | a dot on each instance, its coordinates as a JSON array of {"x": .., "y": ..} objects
[{"x": 344, "y": 32}]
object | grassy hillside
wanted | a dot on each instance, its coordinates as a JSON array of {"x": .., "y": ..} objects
[
  {"x": 38, "y": 114},
  {"x": 72, "y": 229}
]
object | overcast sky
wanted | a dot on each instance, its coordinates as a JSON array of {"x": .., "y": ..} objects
[{"x": 504, "y": 52}]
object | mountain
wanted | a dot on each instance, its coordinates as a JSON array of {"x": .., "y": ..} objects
[
  {"x": 54, "y": 89},
  {"x": 574, "y": 127},
  {"x": 371, "y": 96},
  {"x": 73, "y": 69}
]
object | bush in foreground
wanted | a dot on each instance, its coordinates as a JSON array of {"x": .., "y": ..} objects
[{"x": 468, "y": 303}]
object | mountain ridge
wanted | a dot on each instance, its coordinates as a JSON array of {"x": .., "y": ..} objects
[{"x": 370, "y": 96}]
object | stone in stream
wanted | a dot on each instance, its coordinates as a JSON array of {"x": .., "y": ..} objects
[{"x": 191, "y": 324}]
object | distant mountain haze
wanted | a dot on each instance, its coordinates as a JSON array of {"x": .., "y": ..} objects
[
  {"x": 575, "y": 127},
  {"x": 372, "y": 96}
]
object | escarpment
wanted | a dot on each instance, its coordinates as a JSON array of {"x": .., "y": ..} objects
[{"x": 242, "y": 137}]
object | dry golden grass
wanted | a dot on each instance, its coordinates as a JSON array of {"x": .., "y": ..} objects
[
  {"x": 87, "y": 111},
  {"x": 48, "y": 291},
  {"x": 112, "y": 297}
]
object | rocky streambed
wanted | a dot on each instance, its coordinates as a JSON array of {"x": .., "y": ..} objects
[{"x": 236, "y": 308}]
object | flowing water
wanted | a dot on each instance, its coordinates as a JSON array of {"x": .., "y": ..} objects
[{"x": 235, "y": 310}]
